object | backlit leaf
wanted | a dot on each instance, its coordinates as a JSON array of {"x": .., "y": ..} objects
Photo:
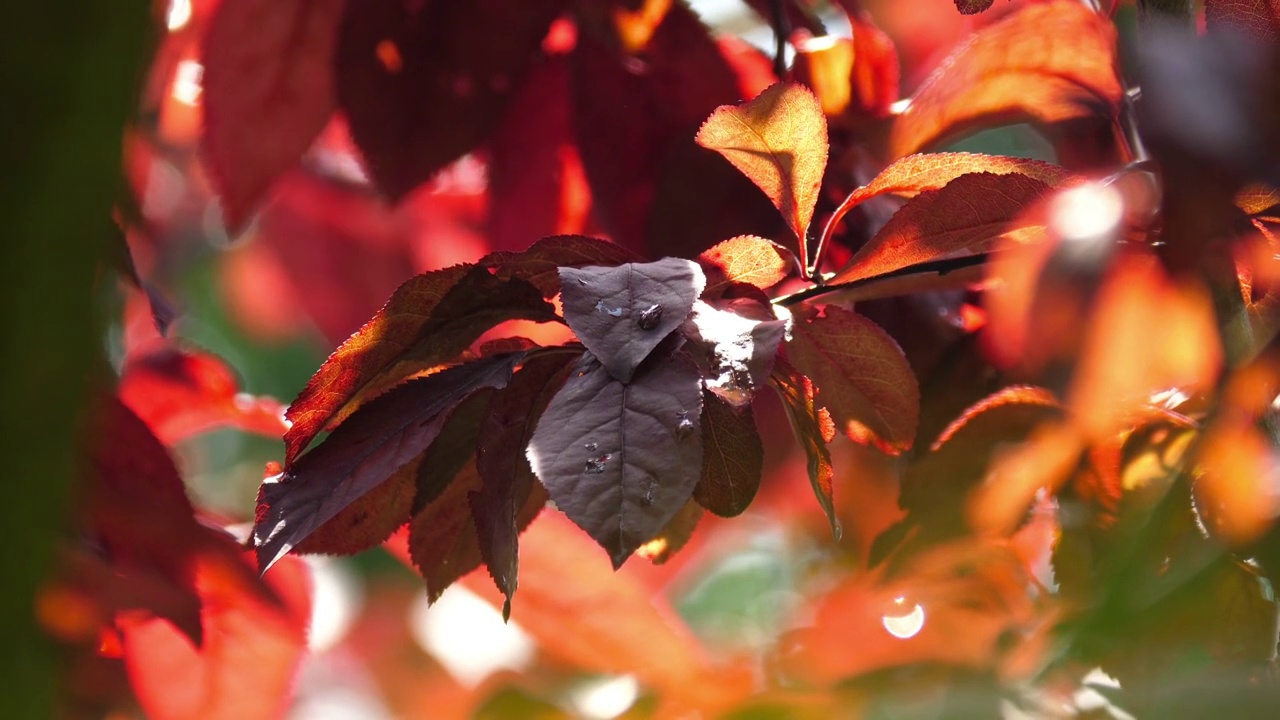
[
  {"x": 1047, "y": 63},
  {"x": 267, "y": 93},
  {"x": 621, "y": 459},
  {"x": 621, "y": 313},
  {"x": 814, "y": 428},
  {"x": 965, "y": 216},
  {"x": 363, "y": 452},
  {"x": 1259, "y": 19},
  {"x": 862, "y": 377},
  {"x": 736, "y": 349},
  {"x": 423, "y": 85},
  {"x": 779, "y": 140},
  {"x": 1257, "y": 198},
  {"x": 540, "y": 264},
  {"x": 1234, "y": 494},
  {"x": 506, "y": 478},
  {"x": 732, "y": 457},
  {"x": 745, "y": 259},
  {"x": 429, "y": 320}
]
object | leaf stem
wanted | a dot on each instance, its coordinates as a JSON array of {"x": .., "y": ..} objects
[{"x": 781, "y": 30}]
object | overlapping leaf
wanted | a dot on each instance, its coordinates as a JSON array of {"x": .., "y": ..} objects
[
  {"x": 621, "y": 459},
  {"x": 673, "y": 536},
  {"x": 540, "y": 264},
  {"x": 1048, "y": 62},
  {"x": 779, "y": 140},
  {"x": 732, "y": 457},
  {"x": 621, "y": 313},
  {"x": 364, "y": 452},
  {"x": 423, "y": 84},
  {"x": 814, "y": 428},
  {"x": 736, "y": 349},
  {"x": 745, "y": 259},
  {"x": 863, "y": 378},
  {"x": 268, "y": 92},
  {"x": 429, "y": 320},
  {"x": 966, "y": 216}
]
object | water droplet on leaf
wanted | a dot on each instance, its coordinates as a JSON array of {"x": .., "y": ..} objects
[
  {"x": 904, "y": 619},
  {"x": 650, "y": 317},
  {"x": 611, "y": 312},
  {"x": 684, "y": 426},
  {"x": 591, "y": 447},
  {"x": 595, "y": 466}
]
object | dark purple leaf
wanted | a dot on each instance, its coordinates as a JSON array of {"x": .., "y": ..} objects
[
  {"x": 737, "y": 346},
  {"x": 621, "y": 459},
  {"x": 732, "y": 457},
  {"x": 622, "y": 313},
  {"x": 368, "y": 448}
]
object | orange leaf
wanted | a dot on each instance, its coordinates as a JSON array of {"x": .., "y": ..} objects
[
  {"x": 814, "y": 428},
  {"x": 1259, "y": 19},
  {"x": 1257, "y": 198},
  {"x": 915, "y": 174},
  {"x": 1047, "y": 63},
  {"x": 779, "y": 141},
  {"x": 862, "y": 376},
  {"x": 252, "y": 648},
  {"x": 745, "y": 259},
  {"x": 1234, "y": 494},
  {"x": 966, "y": 216}
]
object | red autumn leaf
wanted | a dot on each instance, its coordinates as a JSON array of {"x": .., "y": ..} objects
[
  {"x": 537, "y": 186},
  {"x": 365, "y": 451},
  {"x": 732, "y": 457},
  {"x": 180, "y": 393},
  {"x": 1259, "y": 19},
  {"x": 964, "y": 217},
  {"x": 540, "y": 264},
  {"x": 1047, "y": 63},
  {"x": 972, "y": 7},
  {"x": 862, "y": 377},
  {"x": 268, "y": 91},
  {"x": 429, "y": 320},
  {"x": 745, "y": 259},
  {"x": 779, "y": 140},
  {"x": 915, "y": 174},
  {"x": 245, "y": 669},
  {"x": 814, "y": 428},
  {"x": 874, "y": 82}
]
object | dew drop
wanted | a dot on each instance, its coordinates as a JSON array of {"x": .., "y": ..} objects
[
  {"x": 591, "y": 447},
  {"x": 611, "y": 312},
  {"x": 595, "y": 466},
  {"x": 650, "y": 317},
  {"x": 684, "y": 426},
  {"x": 904, "y": 619},
  {"x": 648, "y": 495}
]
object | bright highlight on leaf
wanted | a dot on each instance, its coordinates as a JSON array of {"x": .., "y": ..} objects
[{"x": 779, "y": 140}]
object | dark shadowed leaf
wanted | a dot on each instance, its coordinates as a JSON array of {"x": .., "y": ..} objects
[
  {"x": 423, "y": 84},
  {"x": 814, "y": 428},
  {"x": 966, "y": 216},
  {"x": 540, "y": 264},
  {"x": 673, "y": 536},
  {"x": 745, "y": 259},
  {"x": 506, "y": 478},
  {"x": 732, "y": 457},
  {"x": 1259, "y": 19},
  {"x": 268, "y": 92},
  {"x": 863, "y": 378},
  {"x": 779, "y": 140},
  {"x": 364, "y": 452},
  {"x": 429, "y": 320},
  {"x": 972, "y": 7},
  {"x": 1046, "y": 63},
  {"x": 370, "y": 519},
  {"x": 180, "y": 393},
  {"x": 453, "y": 448},
  {"x": 735, "y": 346},
  {"x": 621, "y": 313},
  {"x": 621, "y": 460}
]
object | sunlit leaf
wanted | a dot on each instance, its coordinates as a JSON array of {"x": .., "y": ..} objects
[
  {"x": 736, "y": 347},
  {"x": 621, "y": 313},
  {"x": 862, "y": 377},
  {"x": 1257, "y": 198},
  {"x": 779, "y": 140},
  {"x": 972, "y": 7},
  {"x": 1258, "y": 19},
  {"x": 363, "y": 452},
  {"x": 621, "y": 459},
  {"x": 814, "y": 428},
  {"x": 1048, "y": 62},
  {"x": 745, "y": 259},
  {"x": 732, "y": 457},
  {"x": 540, "y": 264},
  {"x": 965, "y": 216},
  {"x": 267, "y": 93}
]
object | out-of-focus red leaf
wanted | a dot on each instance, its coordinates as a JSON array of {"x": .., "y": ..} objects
[
  {"x": 745, "y": 259},
  {"x": 424, "y": 84},
  {"x": 252, "y": 649},
  {"x": 1234, "y": 494},
  {"x": 429, "y": 320},
  {"x": 862, "y": 376},
  {"x": 537, "y": 186},
  {"x": 268, "y": 91},
  {"x": 966, "y": 216},
  {"x": 778, "y": 139},
  {"x": 814, "y": 428},
  {"x": 1048, "y": 63},
  {"x": 541, "y": 263},
  {"x": 874, "y": 82},
  {"x": 180, "y": 393},
  {"x": 1259, "y": 19}
]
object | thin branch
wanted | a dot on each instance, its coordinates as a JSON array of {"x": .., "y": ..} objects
[
  {"x": 932, "y": 275},
  {"x": 781, "y": 31}
]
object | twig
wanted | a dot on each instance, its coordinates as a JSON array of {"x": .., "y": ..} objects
[{"x": 913, "y": 278}]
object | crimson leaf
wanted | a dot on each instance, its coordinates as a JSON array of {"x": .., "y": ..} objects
[
  {"x": 364, "y": 452},
  {"x": 814, "y": 428},
  {"x": 621, "y": 459},
  {"x": 622, "y": 313}
]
